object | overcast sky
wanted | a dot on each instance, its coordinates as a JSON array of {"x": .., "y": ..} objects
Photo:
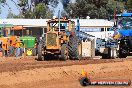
[{"x": 14, "y": 9}]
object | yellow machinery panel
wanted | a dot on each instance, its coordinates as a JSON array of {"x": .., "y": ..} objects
[{"x": 52, "y": 40}]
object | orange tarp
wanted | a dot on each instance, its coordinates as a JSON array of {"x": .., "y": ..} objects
[{"x": 17, "y": 28}]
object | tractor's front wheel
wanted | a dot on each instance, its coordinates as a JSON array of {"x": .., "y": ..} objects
[
  {"x": 40, "y": 55},
  {"x": 64, "y": 52},
  {"x": 123, "y": 53}
]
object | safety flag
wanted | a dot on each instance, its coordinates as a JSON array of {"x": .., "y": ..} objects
[{"x": 84, "y": 74}]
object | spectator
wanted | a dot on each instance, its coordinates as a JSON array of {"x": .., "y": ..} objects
[{"x": 18, "y": 48}]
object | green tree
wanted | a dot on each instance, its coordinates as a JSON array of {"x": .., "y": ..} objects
[
  {"x": 53, "y": 3},
  {"x": 129, "y": 5},
  {"x": 1, "y": 4},
  {"x": 92, "y": 8},
  {"x": 37, "y": 8},
  {"x": 40, "y": 10},
  {"x": 2, "y": 1},
  {"x": 10, "y": 14}
]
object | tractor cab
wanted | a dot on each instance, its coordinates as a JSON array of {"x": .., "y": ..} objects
[
  {"x": 56, "y": 32},
  {"x": 124, "y": 24},
  {"x": 59, "y": 25}
]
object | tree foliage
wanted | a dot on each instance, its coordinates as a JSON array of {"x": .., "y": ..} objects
[
  {"x": 80, "y": 8},
  {"x": 92, "y": 8},
  {"x": 46, "y": 2},
  {"x": 10, "y": 14},
  {"x": 37, "y": 8},
  {"x": 2, "y": 2},
  {"x": 129, "y": 5}
]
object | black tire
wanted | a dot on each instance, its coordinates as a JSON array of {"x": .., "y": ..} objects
[
  {"x": 109, "y": 56},
  {"x": 122, "y": 54},
  {"x": 64, "y": 52},
  {"x": 73, "y": 51},
  {"x": 34, "y": 52},
  {"x": 40, "y": 55},
  {"x": 84, "y": 81}
]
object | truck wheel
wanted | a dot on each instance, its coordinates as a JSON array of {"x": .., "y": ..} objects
[
  {"x": 40, "y": 55},
  {"x": 64, "y": 52},
  {"x": 73, "y": 49}
]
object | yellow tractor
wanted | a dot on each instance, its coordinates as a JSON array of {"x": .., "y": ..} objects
[{"x": 60, "y": 39}]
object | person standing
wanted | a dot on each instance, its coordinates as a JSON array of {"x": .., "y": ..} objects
[{"x": 18, "y": 48}]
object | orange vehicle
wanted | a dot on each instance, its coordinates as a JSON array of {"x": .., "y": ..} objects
[
  {"x": 14, "y": 40},
  {"x": 5, "y": 44},
  {"x": 8, "y": 41}
]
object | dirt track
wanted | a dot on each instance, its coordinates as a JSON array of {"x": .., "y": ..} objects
[
  {"x": 13, "y": 64},
  {"x": 29, "y": 73}
]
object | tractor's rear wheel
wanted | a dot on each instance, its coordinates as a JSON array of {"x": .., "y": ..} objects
[
  {"x": 40, "y": 55},
  {"x": 64, "y": 52},
  {"x": 74, "y": 48}
]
